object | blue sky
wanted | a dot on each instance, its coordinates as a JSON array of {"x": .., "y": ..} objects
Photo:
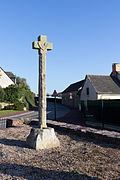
[{"x": 85, "y": 36}]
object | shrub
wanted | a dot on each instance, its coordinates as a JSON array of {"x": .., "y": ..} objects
[
  {"x": 0, "y": 106},
  {"x": 17, "y": 94},
  {"x": 9, "y": 107},
  {"x": 19, "y": 106},
  {"x": 2, "y": 94},
  {"x": 12, "y": 94}
]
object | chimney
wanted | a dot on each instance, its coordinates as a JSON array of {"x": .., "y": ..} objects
[
  {"x": 116, "y": 70},
  {"x": 116, "y": 67}
]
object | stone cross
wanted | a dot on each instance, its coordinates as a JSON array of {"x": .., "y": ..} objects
[{"x": 42, "y": 45}]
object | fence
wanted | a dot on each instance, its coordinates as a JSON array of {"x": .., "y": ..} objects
[
  {"x": 102, "y": 110},
  {"x": 3, "y": 123}
]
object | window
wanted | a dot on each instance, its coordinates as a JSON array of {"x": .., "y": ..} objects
[{"x": 87, "y": 91}]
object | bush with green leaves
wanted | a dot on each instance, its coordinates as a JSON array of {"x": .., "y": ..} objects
[
  {"x": 19, "y": 93},
  {"x": 19, "y": 106},
  {"x": 30, "y": 98},
  {"x": 0, "y": 106},
  {"x": 2, "y": 94},
  {"x": 9, "y": 107},
  {"x": 22, "y": 83},
  {"x": 12, "y": 94}
]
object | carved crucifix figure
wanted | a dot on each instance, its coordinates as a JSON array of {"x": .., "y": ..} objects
[{"x": 42, "y": 45}]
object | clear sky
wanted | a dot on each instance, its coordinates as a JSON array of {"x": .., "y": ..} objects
[{"x": 85, "y": 36}]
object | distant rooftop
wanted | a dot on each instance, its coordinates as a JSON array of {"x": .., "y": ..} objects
[
  {"x": 74, "y": 87},
  {"x": 104, "y": 84},
  {"x": 10, "y": 74}
]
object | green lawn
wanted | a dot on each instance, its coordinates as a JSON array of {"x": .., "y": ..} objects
[{"x": 4, "y": 112}]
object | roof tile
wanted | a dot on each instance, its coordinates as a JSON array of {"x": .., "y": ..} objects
[{"x": 104, "y": 84}]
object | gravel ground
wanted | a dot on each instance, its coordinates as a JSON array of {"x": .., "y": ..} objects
[{"x": 76, "y": 158}]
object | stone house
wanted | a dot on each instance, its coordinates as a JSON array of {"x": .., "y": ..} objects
[
  {"x": 99, "y": 87},
  {"x": 93, "y": 87},
  {"x": 70, "y": 96},
  {"x": 5, "y": 80},
  {"x": 102, "y": 87}
]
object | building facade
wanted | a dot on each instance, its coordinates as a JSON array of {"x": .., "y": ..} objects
[
  {"x": 11, "y": 76},
  {"x": 5, "y": 81},
  {"x": 102, "y": 87},
  {"x": 93, "y": 87},
  {"x": 70, "y": 96}
]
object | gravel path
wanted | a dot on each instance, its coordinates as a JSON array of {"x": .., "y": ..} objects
[{"x": 76, "y": 158}]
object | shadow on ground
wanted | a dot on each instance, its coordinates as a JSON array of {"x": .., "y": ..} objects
[
  {"x": 35, "y": 173},
  {"x": 13, "y": 142},
  {"x": 82, "y": 137},
  {"x": 73, "y": 117}
]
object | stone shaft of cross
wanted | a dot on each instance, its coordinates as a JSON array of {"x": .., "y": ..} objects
[{"x": 42, "y": 45}]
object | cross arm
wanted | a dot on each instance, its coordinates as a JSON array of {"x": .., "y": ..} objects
[
  {"x": 42, "y": 45},
  {"x": 35, "y": 45},
  {"x": 49, "y": 46}
]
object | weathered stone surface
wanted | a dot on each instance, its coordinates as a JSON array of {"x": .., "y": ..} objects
[
  {"x": 42, "y": 46},
  {"x": 42, "y": 139}
]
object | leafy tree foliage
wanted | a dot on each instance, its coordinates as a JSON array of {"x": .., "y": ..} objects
[
  {"x": 16, "y": 94},
  {"x": 19, "y": 94},
  {"x": 12, "y": 94},
  {"x": 2, "y": 94},
  {"x": 22, "y": 83}
]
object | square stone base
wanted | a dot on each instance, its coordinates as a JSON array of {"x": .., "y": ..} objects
[{"x": 42, "y": 138}]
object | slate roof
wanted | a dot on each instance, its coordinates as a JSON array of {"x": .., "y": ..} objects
[
  {"x": 74, "y": 87},
  {"x": 105, "y": 84},
  {"x": 10, "y": 74}
]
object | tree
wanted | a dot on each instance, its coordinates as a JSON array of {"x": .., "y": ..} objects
[
  {"x": 2, "y": 94},
  {"x": 15, "y": 94},
  {"x": 22, "y": 83},
  {"x": 19, "y": 93},
  {"x": 12, "y": 93}
]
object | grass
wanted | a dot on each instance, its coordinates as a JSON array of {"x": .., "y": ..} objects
[
  {"x": 4, "y": 112},
  {"x": 78, "y": 172}
]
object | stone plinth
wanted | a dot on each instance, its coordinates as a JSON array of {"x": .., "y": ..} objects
[{"x": 42, "y": 138}]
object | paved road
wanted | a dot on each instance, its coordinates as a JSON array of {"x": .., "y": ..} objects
[{"x": 60, "y": 111}]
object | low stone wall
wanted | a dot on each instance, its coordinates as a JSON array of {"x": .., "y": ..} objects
[{"x": 6, "y": 123}]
